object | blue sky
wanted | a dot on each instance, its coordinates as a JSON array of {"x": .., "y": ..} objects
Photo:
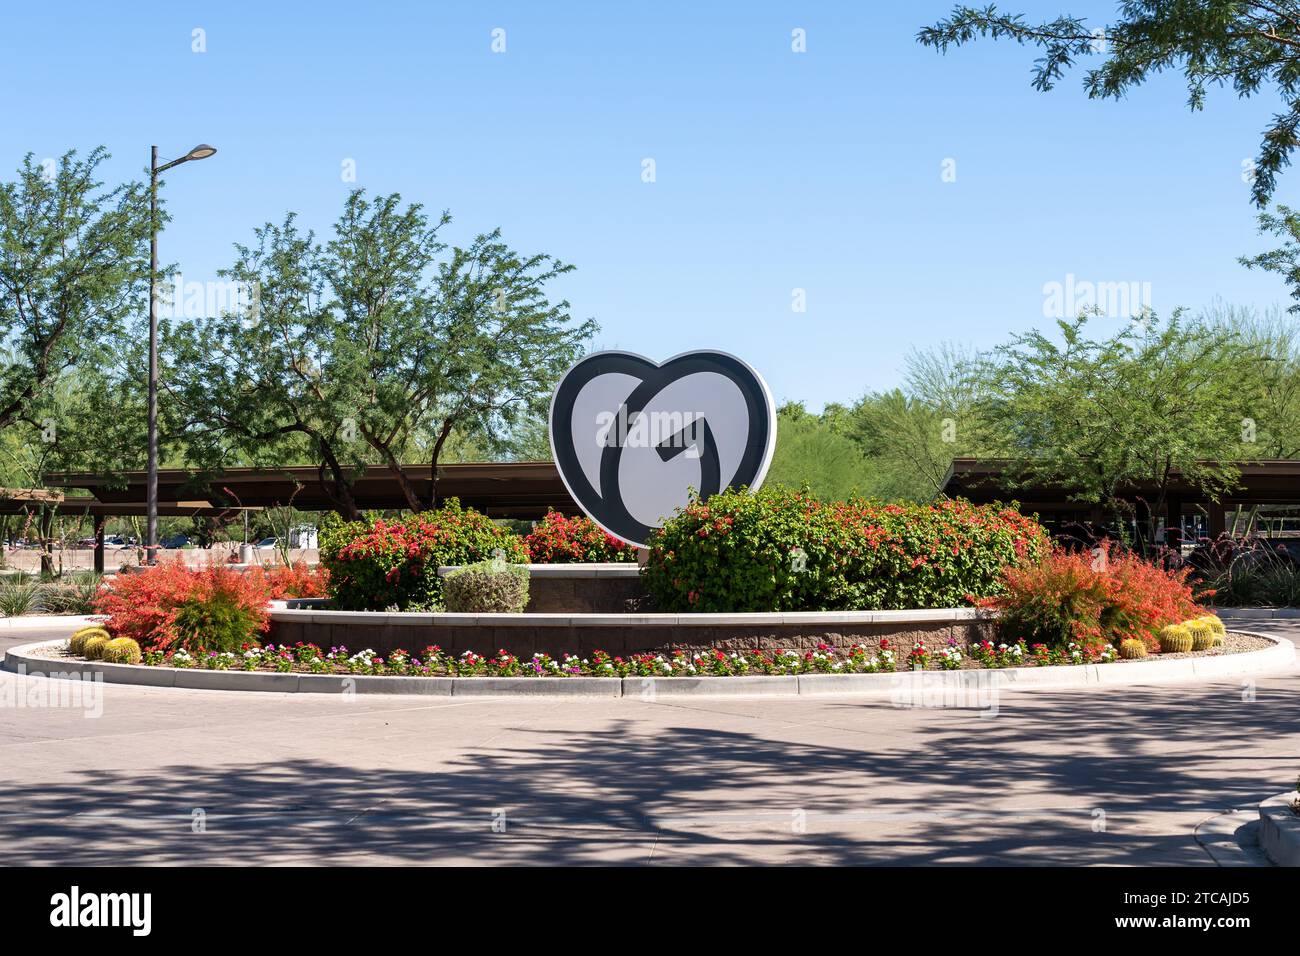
[{"x": 774, "y": 170}]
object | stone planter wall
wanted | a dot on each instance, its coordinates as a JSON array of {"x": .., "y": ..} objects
[{"x": 525, "y": 634}]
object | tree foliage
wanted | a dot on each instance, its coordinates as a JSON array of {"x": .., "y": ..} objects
[
  {"x": 1140, "y": 406},
  {"x": 1248, "y": 46},
  {"x": 373, "y": 347},
  {"x": 74, "y": 270}
]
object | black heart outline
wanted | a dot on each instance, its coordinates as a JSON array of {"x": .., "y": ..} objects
[{"x": 610, "y": 513}]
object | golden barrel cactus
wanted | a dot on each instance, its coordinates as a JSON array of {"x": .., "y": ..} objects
[
  {"x": 1175, "y": 639},
  {"x": 1132, "y": 649}
]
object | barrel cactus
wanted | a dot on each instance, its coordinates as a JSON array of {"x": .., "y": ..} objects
[
  {"x": 1202, "y": 634},
  {"x": 1132, "y": 649},
  {"x": 1175, "y": 639},
  {"x": 1216, "y": 625},
  {"x": 94, "y": 647},
  {"x": 77, "y": 643},
  {"x": 122, "y": 650}
]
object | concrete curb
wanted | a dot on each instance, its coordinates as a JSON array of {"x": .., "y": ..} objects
[
  {"x": 1259, "y": 613},
  {"x": 914, "y": 688},
  {"x": 1279, "y": 829},
  {"x": 652, "y": 688},
  {"x": 34, "y": 622}
]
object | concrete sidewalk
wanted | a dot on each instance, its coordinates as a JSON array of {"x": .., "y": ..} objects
[{"x": 1100, "y": 776}]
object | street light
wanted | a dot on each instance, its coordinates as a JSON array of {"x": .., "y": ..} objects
[{"x": 202, "y": 151}]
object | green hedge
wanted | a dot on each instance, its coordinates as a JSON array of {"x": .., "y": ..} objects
[{"x": 781, "y": 550}]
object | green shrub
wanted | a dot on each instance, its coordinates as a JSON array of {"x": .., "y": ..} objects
[
  {"x": 487, "y": 587},
  {"x": 74, "y": 594},
  {"x": 217, "y": 620},
  {"x": 782, "y": 550},
  {"x": 383, "y": 563},
  {"x": 121, "y": 650},
  {"x": 94, "y": 647},
  {"x": 1175, "y": 639},
  {"x": 22, "y": 596}
]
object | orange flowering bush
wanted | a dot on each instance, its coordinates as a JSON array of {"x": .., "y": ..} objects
[
  {"x": 777, "y": 550},
  {"x": 558, "y": 539},
  {"x": 171, "y": 607},
  {"x": 299, "y": 581},
  {"x": 1092, "y": 600}
]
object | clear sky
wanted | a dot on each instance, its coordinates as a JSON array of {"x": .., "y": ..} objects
[{"x": 773, "y": 170}]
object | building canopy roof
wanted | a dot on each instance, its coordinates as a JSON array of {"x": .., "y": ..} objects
[
  {"x": 526, "y": 489},
  {"x": 983, "y": 480}
]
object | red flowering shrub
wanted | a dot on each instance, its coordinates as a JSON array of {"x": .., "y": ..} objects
[
  {"x": 170, "y": 606},
  {"x": 777, "y": 550},
  {"x": 1092, "y": 601},
  {"x": 378, "y": 564},
  {"x": 299, "y": 581},
  {"x": 557, "y": 539}
]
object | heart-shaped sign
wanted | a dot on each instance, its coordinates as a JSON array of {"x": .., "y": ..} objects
[{"x": 631, "y": 437}]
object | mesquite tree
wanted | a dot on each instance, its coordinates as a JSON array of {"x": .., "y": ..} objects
[
  {"x": 1247, "y": 45},
  {"x": 372, "y": 349}
]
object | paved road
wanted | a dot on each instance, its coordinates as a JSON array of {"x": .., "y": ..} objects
[{"x": 1120, "y": 776}]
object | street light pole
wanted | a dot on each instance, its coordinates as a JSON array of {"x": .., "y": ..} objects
[
  {"x": 151, "y": 481},
  {"x": 202, "y": 151}
]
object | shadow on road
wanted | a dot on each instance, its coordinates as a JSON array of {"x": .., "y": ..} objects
[{"x": 938, "y": 786}]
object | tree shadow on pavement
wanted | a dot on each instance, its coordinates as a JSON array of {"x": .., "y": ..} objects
[{"x": 949, "y": 786}]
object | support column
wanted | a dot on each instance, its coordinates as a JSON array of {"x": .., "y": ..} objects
[
  {"x": 47, "y": 541},
  {"x": 1174, "y": 524},
  {"x": 1143, "y": 531},
  {"x": 100, "y": 522},
  {"x": 1216, "y": 522}
]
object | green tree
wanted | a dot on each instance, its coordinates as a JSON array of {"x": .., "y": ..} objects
[
  {"x": 1285, "y": 259},
  {"x": 1273, "y": 428},
  {"x": 911, "y": 434},
  {"x": 372, "y": 348},
  {"x": 1136, "y": 407},
  {"x": 1250, "y": 46},
  {"x": 809, "y": 451},
  {"x": 74, "y": 268}
]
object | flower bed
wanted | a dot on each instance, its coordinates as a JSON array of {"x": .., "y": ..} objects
[{"x": 824, "y": 659}]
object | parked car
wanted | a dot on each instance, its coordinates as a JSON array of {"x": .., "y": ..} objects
[
  {"x": 267, "y": 544},
  {"x": 175, "y": 541}
]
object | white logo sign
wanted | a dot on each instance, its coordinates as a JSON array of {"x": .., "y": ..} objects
[{"x": 631, "y": 438}]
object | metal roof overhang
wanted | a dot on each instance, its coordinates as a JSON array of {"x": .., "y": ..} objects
[{"x": 526, "y": 489}]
